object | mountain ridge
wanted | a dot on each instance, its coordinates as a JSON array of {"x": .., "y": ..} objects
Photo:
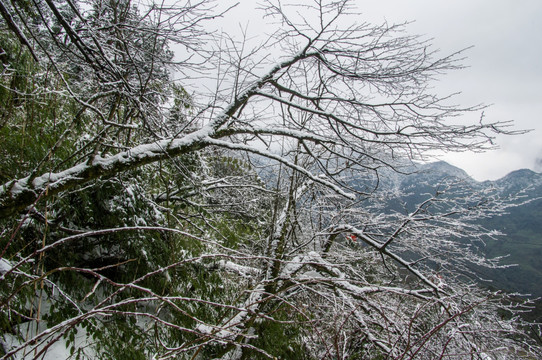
[
  {"x": 522, "y": 225},
  {"x": 443, "y": 166}
]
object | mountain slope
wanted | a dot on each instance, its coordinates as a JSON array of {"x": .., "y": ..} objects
[{"x": 522, "y": 225}]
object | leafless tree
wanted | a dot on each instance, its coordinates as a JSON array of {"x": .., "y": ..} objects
[{"x": 260, "y": 166}]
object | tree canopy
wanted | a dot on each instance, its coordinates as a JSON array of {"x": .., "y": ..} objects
[{"x": 173, "y": 192}]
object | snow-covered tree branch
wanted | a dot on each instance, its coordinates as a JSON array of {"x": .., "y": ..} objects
[{"x": 198, "y": 196}]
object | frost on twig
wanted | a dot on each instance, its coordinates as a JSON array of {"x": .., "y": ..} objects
[{"x": 200, "y": 196}]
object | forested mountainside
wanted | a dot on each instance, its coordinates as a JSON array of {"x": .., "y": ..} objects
[
  {"x": 521, "y": 226},
  {"x": 136, "y": 222},
  {"x": 522, "y": 242}
]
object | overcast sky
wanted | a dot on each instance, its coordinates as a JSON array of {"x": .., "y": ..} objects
[{"x": 504, "y": 66}]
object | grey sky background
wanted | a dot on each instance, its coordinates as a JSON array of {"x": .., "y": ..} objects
[
  {"x": 504, "y": 65},
  {"x": 504, "y": 68}
]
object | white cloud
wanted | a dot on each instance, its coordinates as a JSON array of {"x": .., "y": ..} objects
[{"x": 504, "y": 67}]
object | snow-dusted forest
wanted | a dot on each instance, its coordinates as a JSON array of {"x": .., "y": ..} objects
[{"x": 172, "y": 192}]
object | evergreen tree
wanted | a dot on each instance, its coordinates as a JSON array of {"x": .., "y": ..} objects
[{"x": 162, "y": 221}]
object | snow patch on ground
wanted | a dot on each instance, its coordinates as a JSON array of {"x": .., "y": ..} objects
[{"x": 5, "y": 266}]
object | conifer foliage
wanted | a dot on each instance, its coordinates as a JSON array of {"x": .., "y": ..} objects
[{"x": 170, "y": 192}]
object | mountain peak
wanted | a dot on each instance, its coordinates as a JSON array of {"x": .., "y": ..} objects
[
  {"x": 522, "y": 178},
  {"x": 521, "y": 173},
  {"x": 444, "y": 168}
]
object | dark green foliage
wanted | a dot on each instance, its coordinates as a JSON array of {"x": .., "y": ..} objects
[
  {"x": 16, "y": 293},
  {"x": 125, "y": 256},
  {"x": 33, "y": 124},
  {"x": 109, "y": 204},
  {"x": 280, "y": 338},
  {"x": 144, "y": 225},
  {"x": 120, "y": 338}
]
